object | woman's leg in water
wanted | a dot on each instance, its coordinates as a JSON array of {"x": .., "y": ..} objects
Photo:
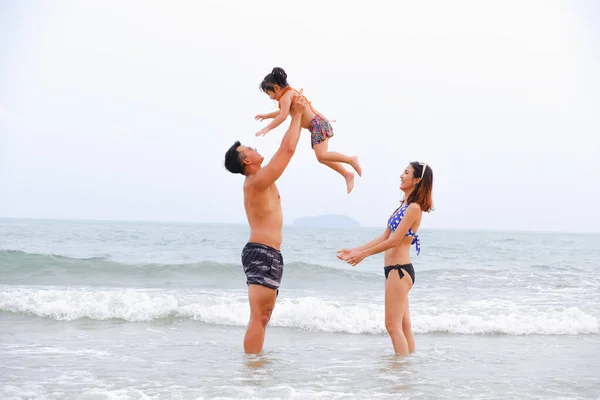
[
  {"x": 407, "y": 328},
  {"x": 396, "y": 300}
]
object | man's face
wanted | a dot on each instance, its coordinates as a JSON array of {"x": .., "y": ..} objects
[{"x": 249, "y": 155}]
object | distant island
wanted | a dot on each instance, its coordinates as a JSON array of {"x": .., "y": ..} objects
[{"x": 327, "y": 221}]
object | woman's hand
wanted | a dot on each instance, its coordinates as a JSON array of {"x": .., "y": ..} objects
[
  {"x": 343, "y": 254},
  {"x": 352, "y": 257},
  {"x": 355, "y": 257}
]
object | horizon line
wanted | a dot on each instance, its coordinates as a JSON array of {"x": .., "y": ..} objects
[{"x": 499, "y": 230}]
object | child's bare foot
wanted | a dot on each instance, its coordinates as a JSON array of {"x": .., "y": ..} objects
[
  {"x": 349, "y": 177},
  {"x": 356, "y": 165}
]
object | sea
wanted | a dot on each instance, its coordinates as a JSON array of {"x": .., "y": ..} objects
[{"x": 147, "y": 310}]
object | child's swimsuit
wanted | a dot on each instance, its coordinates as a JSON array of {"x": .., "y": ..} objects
[{"x": 320, "y": 128}]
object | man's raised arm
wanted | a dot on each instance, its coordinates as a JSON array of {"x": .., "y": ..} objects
[{"x": 273, "y": 170}]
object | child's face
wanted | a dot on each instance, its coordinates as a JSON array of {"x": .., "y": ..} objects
[{"x": 276, "y": 93}]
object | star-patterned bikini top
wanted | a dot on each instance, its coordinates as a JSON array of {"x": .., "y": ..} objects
[{"x": 395, "y": 220}]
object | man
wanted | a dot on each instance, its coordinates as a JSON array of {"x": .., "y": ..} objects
[{"x": 261, "y": 258}]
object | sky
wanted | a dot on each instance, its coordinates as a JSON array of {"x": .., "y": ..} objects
[{"x": 123, "y": 110}]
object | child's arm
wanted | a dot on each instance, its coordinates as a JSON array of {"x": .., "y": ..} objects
[
  {"x": 284, "y": 103},
  {"x": 270, "y": 115}
]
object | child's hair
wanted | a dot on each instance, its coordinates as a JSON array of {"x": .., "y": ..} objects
[{"x": 276, "y": 77}]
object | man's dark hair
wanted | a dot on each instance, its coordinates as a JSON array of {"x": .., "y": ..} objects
[{"x": 233, "y": 160}]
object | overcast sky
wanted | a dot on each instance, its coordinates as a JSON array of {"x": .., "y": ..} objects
[{"x": 124, "y": 109}]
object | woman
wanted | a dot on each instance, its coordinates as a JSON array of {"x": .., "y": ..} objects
[{"x": 399, "y": 235}]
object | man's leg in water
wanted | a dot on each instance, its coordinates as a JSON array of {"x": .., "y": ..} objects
[{"x": 262, "y": 302}]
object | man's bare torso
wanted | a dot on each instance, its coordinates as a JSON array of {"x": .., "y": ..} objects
[{"x": 263, "y": 210}]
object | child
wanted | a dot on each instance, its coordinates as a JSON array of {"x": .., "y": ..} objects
[{"x": 276, "y": 87}]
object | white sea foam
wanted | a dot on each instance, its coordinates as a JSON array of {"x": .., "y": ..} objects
[
  {"x": 177, "y": 392},
  {"x": 307, "y": 312}
]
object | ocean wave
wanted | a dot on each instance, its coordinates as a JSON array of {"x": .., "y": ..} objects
[
  {"x": 306, "y": 312},
  {"x": 18, "y": 263},
  {"x": 21, "y": 267},
  {"x": 34, "y": 264},
  {"x": 7, "y": 256}
]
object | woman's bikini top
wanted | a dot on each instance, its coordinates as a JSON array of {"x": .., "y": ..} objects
[{"x": 395, "y": 220}]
